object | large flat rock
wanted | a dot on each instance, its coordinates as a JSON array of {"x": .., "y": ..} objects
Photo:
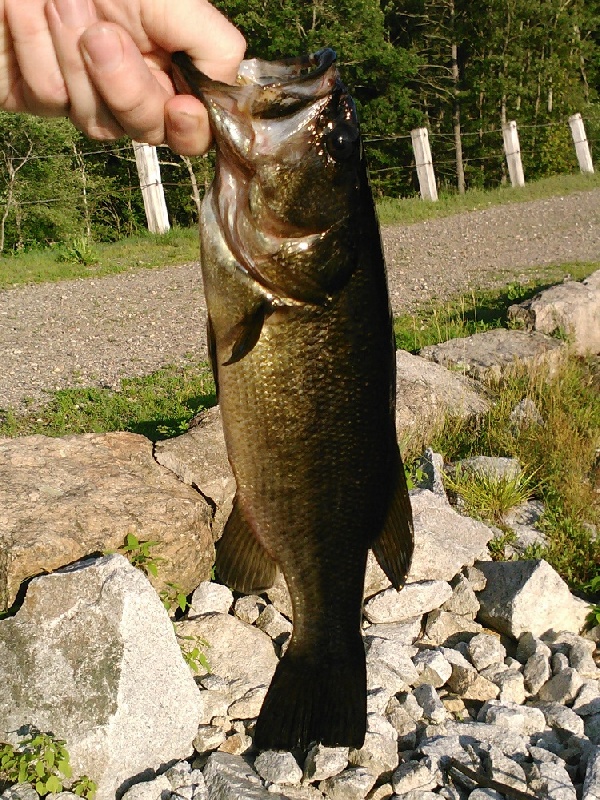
[
  {"x": 63, "y": 499},
  {"x": 493, "y": 353}
]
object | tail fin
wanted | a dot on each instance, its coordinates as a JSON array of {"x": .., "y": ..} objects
[{"x": 315, "y": 701}]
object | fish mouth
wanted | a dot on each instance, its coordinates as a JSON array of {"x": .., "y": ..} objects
[{"x": 264, "y": 89}]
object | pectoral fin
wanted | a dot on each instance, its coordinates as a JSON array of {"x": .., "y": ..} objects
[
  {"x": 246, "y": 333},
  {"x": 394, "y": 546},
  {"x": 242, "y": 562}
]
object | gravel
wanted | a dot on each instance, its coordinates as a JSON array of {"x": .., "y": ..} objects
[{"x": 95, "y": 332}]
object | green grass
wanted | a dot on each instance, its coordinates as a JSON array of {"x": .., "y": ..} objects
[
  {"x": 158, "y": 406},
  {"x": 479, "y": 311},
  {"x": 412, "y": 209},
  {"x": 145, "y": 251}
]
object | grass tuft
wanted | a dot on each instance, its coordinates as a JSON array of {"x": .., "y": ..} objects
[{"x": 490, "y": 497}]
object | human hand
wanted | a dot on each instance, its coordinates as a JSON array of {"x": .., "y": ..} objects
[{"x": 106, "y": 65}]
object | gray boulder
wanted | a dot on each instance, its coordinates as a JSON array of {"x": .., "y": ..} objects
[
  {"x": 528, "y": 596},
  {"x": 92, "y": 656},
  {"x": 492, "y": 354},
  {"x": 571, "y": 307},
  {"x": 64, "y": 499},
  {"x": 426, "y": 393},
  {"x": 445, "y": 541},
  {"x": 229, "y": 777}
]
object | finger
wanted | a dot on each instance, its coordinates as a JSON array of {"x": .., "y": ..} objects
[
  {"x": 214, "y": 44},
  {"x": 67, "y": 20},
  {"x": 134, "y": 94},
  {"x": 43, "y": 89},
  {"x": 187, "y": 129}
]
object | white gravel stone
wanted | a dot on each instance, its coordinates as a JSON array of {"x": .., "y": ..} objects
[
  {"x": 581, "y": 659},
  {"x": 485, "y": 650},
  {"x": 414, "y": 599},
  {"x": 213, "y": 703},
  {"x": 470, "y": 685},
  {"x": 389, "y": 665},
  {"x": 512, "y": 744},
  {"x": 559, "y": 663},
  {"x": 281, "y": 768},
  {"x": 429, "y": 700},
  {"x": 524, "y": 720},
  {"x": 562, "y": 688},
  {"x": 413, "y": 775},
  {"x": 588, "y": 699},
  {"x": 377, "y": 700},
  {"x": 274, "y": 624},
  {"x": 248, "y": 706},
  {"x": 249, "y": 607},
  {"x": 447, "y": 628},
  {"x": 561, "y": 718},
  {"x": 325, "y": 762},
  {"x": 485, "y": 794},
  {"x": 351, "y": 784},
  {"x": 463, "y": 600},
  {"x": 211, "y": 597},
  {"x": 155, "y": 789},
  {"x": 379, "y": 754},
  {"x": 229, "y": 777},
  {"x": 209, "y": 737},
  {"x": 530, "y": 645},
  {"x": 505, "y": 770},
  {"x": 401, "y": 632},
  {"x": 432, "y": 667},
  {"x": 536, "y": 672},
  {"x": 592, "y": 728},
  {"x": 512, "y": 686},
  {"x": 591, "y": 783},
  {"x": 552, "y": 782}
]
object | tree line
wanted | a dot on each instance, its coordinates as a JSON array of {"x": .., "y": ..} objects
[{"x": 459, "y": 68}]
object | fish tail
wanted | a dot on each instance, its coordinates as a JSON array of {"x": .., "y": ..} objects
[{"x": 315, "y": 700}]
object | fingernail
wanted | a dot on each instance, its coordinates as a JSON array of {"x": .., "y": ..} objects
[
  {"x": 73, "y": 13},
  {"x": 102, "y": 48}
]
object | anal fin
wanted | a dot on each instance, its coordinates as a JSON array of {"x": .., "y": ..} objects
[
  {"x": 242, "y": 562},
  {"x": 394, "y": 546}
]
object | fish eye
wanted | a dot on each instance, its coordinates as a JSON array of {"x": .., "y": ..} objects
[{"x": 341, "y": 141}]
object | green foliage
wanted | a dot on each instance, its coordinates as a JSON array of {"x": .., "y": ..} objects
[
  {"x": 174, "y": 598},
  {"x": 561, "y": 453},
  {"x": 79, "y": 250},
  {"x": 193, "y": 653},
  {"x": 41, "y": 760},
  {"x": 137, "y": 552}
]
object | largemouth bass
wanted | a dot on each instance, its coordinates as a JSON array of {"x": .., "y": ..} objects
[{"x": 301, "y": 341}]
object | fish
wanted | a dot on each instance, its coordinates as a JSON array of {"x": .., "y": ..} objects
[{"x": 301, "y": 343}]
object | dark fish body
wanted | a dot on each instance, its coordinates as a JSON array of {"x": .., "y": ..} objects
[{"x": 301, "y": 340}]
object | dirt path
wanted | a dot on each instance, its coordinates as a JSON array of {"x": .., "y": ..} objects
[{"x": 94, "y": 332}]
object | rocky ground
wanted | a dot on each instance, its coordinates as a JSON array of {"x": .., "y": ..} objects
[{"x": 94, "y": 332}]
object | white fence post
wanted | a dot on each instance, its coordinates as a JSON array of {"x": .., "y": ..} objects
[
  {"x": 424, "y": 164},
  {"x": 582, "y": 147},
  {"x": 148, "y": 168},
  {"x": 513, "y": 153}
]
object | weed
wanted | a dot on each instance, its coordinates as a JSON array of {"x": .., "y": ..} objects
[
  {"x": 173, "y": 597},
  {"x": 79, "y": 250},
  {"x": 194, "y": 656},
  {"x": 137, "y": 552},
  {"x": 498, "y": 544},
  {"x": 490, "y": 497},
  {"x": 41, "y": 760}
]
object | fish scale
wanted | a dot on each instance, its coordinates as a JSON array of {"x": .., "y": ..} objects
[{"x": 301, "y": 338}]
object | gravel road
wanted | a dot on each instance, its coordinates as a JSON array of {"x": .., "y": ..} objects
[{"x": 95, "y": 331}]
